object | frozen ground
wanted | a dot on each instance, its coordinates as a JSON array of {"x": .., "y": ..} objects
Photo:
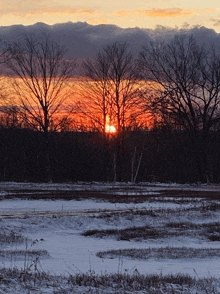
[
  {"x": 87, "y": 186},
  {"x": 70, "y": 252},
  {"x": 180, "y": 219}
]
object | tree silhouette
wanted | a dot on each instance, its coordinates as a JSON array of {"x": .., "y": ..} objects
[
  {"x": 40, "y": 81},
  {"x": 186, "y": 78},
  {"x": 39, "y": 84},
  {"x": 110, "y": 93}
]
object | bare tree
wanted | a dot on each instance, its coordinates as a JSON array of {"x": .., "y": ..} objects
[
  {"x": 110, "y": 94},
  {"x": 186, "y": 81},
  {"x": 123, "y": 83},
  {"x": 4, "y": 91},
  {"x": 95, "y": 92},
  {"x": 110, "y": 87},
  {"x": 40, "y": 79}
]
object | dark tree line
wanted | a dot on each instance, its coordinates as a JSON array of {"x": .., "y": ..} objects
[
  {"x": 164, "y": 106},
  {"x": 81, "y": 156}
]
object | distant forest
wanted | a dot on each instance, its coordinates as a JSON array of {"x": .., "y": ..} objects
[
  {"x": 151, "y": 118},
  {"x": 167, "y": 155}
]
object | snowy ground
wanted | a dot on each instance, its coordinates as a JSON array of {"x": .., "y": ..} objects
[{"x": 60, "y": 230}]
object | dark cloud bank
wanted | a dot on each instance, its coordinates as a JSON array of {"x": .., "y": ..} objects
[{"x": 84, "y": 40}]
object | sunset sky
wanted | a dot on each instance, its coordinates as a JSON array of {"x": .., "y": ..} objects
[{"x": 144, "y": 14}]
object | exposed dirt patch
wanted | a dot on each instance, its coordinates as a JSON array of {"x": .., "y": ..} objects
[
  {"x": 162, "y": 253},
  {"x": 137, "y": 233},
  {"x": 113, "y": 195},
  {"x": 23, "y": 253},
  {"x": 173, "y": 229}
]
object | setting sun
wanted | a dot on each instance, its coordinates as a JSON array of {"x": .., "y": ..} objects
[{"x": 110, "y": 129}]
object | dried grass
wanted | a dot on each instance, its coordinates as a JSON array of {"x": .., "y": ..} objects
[{"x": 162, "y": 253}]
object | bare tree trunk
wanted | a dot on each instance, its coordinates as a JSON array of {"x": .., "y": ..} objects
[
  {"x": 132, "y": 164},
  {"x": 137, "y": 170},
  {"x": 47, "y": 158},
  {"x": 115, "y": 168}
]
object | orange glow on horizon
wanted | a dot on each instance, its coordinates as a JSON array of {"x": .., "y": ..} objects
[{"x": 70, "y": 115}]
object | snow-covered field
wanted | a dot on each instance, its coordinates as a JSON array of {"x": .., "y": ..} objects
[{"x": 67, "y": 229}]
